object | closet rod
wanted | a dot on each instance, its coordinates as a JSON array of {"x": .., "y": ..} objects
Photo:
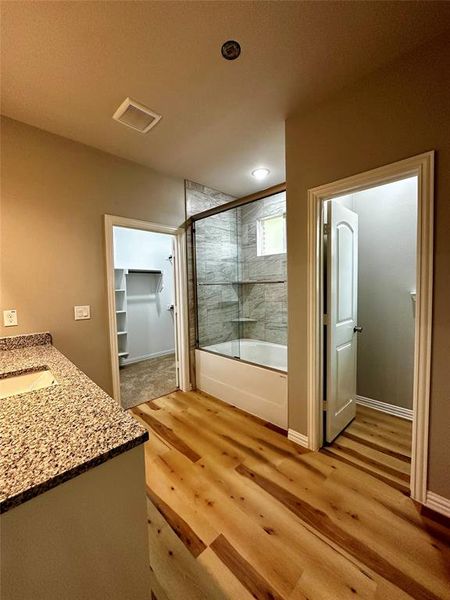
[{"x": 144, "y": 271}]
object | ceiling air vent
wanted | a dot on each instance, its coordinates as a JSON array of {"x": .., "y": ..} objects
[{"x": 135, "y": 115}]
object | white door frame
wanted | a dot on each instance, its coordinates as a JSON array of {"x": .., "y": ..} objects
[
  {"x": 180, "y": 295},
  {"x": 421, "y": 166}
]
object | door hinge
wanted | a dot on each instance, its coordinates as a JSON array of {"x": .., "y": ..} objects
[
  {"x": 325, "y": 319},
  {"x": 325, "y": 405},
  {"x": 326, "y": 228}
]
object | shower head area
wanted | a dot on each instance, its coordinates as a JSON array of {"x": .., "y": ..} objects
[{"x": 239, "y": 279}]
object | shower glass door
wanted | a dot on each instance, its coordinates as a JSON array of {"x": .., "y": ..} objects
[
  {"x": 240, "y": 264},
  {"x": 217, "y": 286}
]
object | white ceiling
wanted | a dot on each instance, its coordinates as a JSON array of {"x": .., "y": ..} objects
[{"x": 66, "y": 67}]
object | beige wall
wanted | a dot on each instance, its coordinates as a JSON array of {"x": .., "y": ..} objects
[
  {"x": 54, "y": 193},
  {"x": 398, "y": 112},
  {"x": 387, "y": 275},
  {"x": 387, "y": 232}
]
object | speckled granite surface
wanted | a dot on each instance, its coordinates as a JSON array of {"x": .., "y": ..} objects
[
  {"x": 51, "y": 435},
  {"x": 13, "y": 342}
]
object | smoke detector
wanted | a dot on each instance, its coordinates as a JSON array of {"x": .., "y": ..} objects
[
  {"x": 231, "y": 50},
  {"x": 136, "y": 115}
]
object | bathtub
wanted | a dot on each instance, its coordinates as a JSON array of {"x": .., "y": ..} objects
[
  {"x": 261, "y": 353},
  {"x": 222, "y": 370}
]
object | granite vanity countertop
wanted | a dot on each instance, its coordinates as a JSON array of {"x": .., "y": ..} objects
[{"x": 51, "y": 435}]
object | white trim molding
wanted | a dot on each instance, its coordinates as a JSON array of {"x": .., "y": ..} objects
[
  {"x": 422, "y": 167},
  {"x": 438, "y": 503},
  {"x": 138, "y": 359},
  {"x": 181, "y": 318},
  {"x": 298, "y": 438},
  {"x": 390, "y": 409}
]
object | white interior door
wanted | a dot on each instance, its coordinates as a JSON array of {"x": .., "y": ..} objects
[{"x": 342, "y": 308}]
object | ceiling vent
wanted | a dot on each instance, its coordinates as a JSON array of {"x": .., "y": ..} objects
[{"x": 135, "y": 115}]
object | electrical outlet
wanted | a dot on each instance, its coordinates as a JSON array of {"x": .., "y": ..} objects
[
  {"x": 82, "y": 312},
  {"x": 10, "y": 317}
]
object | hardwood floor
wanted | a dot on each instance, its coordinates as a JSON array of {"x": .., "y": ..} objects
[
  {"x": 237, "y": 511},
  {"x": 376, "y": 443}
]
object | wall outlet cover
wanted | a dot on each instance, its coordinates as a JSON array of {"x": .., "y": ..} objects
[
  {"x": 82, "y": 312},
  {"x": 10, "y": 317}
]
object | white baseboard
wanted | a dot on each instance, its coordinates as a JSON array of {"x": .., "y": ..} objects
[
  {"x": 298, "y": 438},
  {"x": 390, "y": 409},
  {"x": 438, "y": 503},
  {"x": 136, "y": 359}
]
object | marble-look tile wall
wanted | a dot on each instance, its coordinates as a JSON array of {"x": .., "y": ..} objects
[
  {"x": 198, "y": 199},
  {"x": 264, "y": 302},
  {"x": 216, "y": 242}
]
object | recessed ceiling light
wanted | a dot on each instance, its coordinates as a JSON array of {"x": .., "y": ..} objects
[{"x": 260, "y": 173}]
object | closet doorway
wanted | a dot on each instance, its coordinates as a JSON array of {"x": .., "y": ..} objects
[{"x": 145, "y": 287}]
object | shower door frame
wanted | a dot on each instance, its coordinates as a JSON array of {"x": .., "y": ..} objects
[
  {"x": 275, "y": 189},
  {"x": 180, "y": 285}
]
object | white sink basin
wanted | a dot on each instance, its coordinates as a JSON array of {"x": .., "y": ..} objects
[{"x": 23, "y": 383}]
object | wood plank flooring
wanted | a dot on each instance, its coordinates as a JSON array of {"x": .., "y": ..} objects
[
  {"x": 376, "y": 443},
  {"x": 237, "y": 511}
]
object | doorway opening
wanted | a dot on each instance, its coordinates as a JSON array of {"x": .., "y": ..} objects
[
  {"x": 145, "y": 305},
  {"x": 369, "y": 254},
  {"x": 145, "y": 286},
  {"x": 369, "y": 337}
]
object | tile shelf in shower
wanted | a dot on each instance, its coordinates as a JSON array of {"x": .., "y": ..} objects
[
  {"x": 243, "y": 320},
  {"x": 241, "y": 282},
  {"x": 250, "y": 282}
]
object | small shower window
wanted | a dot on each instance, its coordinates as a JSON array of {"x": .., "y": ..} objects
[{"x": 271, "y": 235}]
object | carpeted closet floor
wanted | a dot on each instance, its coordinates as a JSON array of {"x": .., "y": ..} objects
[{"x": 146, "y": 380}]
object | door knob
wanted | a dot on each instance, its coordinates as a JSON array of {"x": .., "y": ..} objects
[{"x": 357, "y": 329}]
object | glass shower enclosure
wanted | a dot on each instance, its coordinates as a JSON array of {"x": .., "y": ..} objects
[{"x": 240, "y": 279}]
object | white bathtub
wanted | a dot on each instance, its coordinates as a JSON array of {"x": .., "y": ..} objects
[
  {"x": 262, "y": 353},
  {"x": 256, "y": 389}
]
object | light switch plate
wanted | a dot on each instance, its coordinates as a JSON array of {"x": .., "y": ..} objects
[
  {"x": 10, "y": 317},
  {"x": 82, "y": 312}
]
